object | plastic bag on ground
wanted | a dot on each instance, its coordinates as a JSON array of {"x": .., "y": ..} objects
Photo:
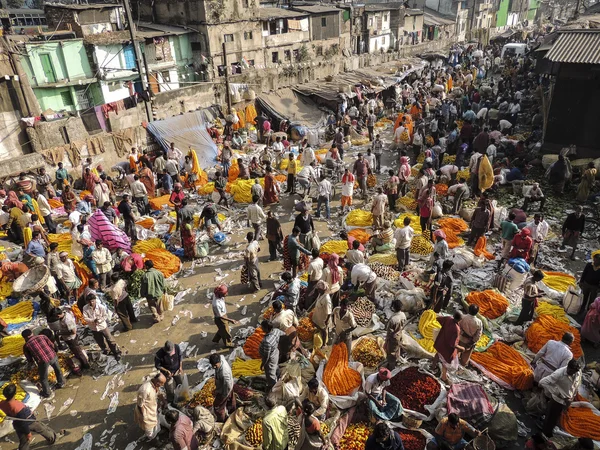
[
  {"x": 182, "y": 392},
  {"x": 503, "y": 427},
  {"x": 572, "y": 300}
]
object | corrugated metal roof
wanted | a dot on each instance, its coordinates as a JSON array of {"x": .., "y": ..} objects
[
  {"x": 576, "y": 46},
  {"x": 277, "y": 13},
  {"x": 432, "y": 17}
]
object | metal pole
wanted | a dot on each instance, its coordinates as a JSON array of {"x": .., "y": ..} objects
[
  {"x": 138, "y": 61},
  {"x": 227, "y": 91}
]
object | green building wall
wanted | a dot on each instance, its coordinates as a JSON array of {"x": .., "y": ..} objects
[{"x": 502, "y": 14}]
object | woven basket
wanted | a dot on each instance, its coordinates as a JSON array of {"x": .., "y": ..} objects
[{"x": 33, "y": 280}]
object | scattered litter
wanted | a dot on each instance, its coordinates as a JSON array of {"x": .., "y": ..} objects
[
  {"x": 114, "y": 403},
  {"x": 49, "y": 407},
  {"x": 87, "y": 443},
  {"x": 68, "y": 402}
]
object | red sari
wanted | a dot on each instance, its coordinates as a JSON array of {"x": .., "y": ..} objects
[
  {"x": 188, "y": 240},
  {"x": 271, "y": 194},
  {"x": 147, "y": 179},
  {"x": 90, "y": 181},
  {"x": 69, "y": 200}
]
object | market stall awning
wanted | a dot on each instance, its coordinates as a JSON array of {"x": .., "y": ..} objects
[
  {"x": 289, "y": 105},
  {"x": 187, "y": 130}
]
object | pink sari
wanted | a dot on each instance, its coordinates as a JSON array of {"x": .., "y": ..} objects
[{"x": 590, "y": 329}]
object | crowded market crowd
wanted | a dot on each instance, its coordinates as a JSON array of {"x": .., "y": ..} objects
[{"x": 435, "y": 291}]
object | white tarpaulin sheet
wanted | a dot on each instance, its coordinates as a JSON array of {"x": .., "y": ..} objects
[{"x": 187, "y": 130}]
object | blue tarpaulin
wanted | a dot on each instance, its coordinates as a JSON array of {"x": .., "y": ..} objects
[{"x": 187, "y": 130}]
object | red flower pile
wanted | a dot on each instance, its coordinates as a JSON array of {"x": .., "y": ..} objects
[
  {"x": 412, "y": 440},
  {"x": 414, "y": 389}
]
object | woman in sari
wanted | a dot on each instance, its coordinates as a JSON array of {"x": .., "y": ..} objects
[
  {"x": 590, "y": 330},
  {"x": 271, "y": 194},
  {"x": 133, "y": 161},
  {"x": 311, "y": 436},
  {"x": 147, "y": 179},
  {"x": 68, "y": 198},
  {"x": 333, "y": 275},
  {"x": 26, "y": 199},
  {"x": 90, "y": 179},
  {"x": 587, "y": 182},
  {"x": 188, "y": 239},
  {"x": 12, "y": 201}
]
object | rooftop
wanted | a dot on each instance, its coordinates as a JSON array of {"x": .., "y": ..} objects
[
  {"x": 317, "y": 9},
  {"x": 376, "y": 8},
  {"x": 84, "y": 7},
  {"x": 576, "y": 46},
  {"x": 278, "y": 13},
  {"x": 148, "y": 29},
  {"x": 111, "y": 38},
  {"x": 432, "y": 17},
  {"x": 412, "y": 12}
]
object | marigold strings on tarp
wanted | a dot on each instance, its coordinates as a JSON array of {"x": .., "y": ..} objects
[
  {"x": 546, "y": 328},
  {"x": 580, "y": 421},
  {"x": 491, "y": 303},
  {"x": 481, "y": 249},
  {"x": 559, "y": 281},
  {"x": 164, "y": 261},
  {"x": 359, "y": 218},
  {"x": 507, "y": 364},
  {"x": 337, "y": 376},
  {"x": 453, "y": 227}
]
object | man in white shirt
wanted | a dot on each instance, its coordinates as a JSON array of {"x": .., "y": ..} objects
[
  {"x": 172, "y": 168},
  {"x": 306, "y": 176},
  {"x": 101, "y": 193},
  {"x": 96, "y": 315},
  {"x": 560, "y": 389},
  {"x": 121, "y": 301},
  {"x": 377, "y": 148},
  {"x": 283, "y": 318},
  {"x": 324, "y": 188},
  {"x": 354, "y": 255},
  {"x": 308, "y": 156},
  {"x": 256, "y": 216},
  {"x": 378, "y": 208},
  {"x": 221, "y": 319},
  {"x": 375, "y": 387},
  {"x": 321, "y": 316},
  {"x": 348, "y": 180},
  {"x": 397, "y": 136},
  {"x": 534, "y": 194},
  {"x": 45, "y": 210},
  {"x": 174, "y": 153},
  {"x": 278, "y": 146},
  {"x": 140, "y": 195},
  {"x": 552, "y": 356},
  {"x": 251, "y": 260},
  {"x": 65, "y": 273},
  {"x": 491, "y": 151},
  {"x": 103, "y": 260},
  {"x": 363, "y": 275},
  {"x": 539, "y": 230},
  {"x": 75, "y": 218},
  {"x": 403, "y": 237},
  {"x": 344, "y": 323},
  {"x": 482, "y": 114},
  {"x": 504, "y": 125},
  {"x": 447, "y": 173},
  {"x": 315, "y": 273},
  {"x": 370, "y": 158},
  {"x": 68, "y": 333}
]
